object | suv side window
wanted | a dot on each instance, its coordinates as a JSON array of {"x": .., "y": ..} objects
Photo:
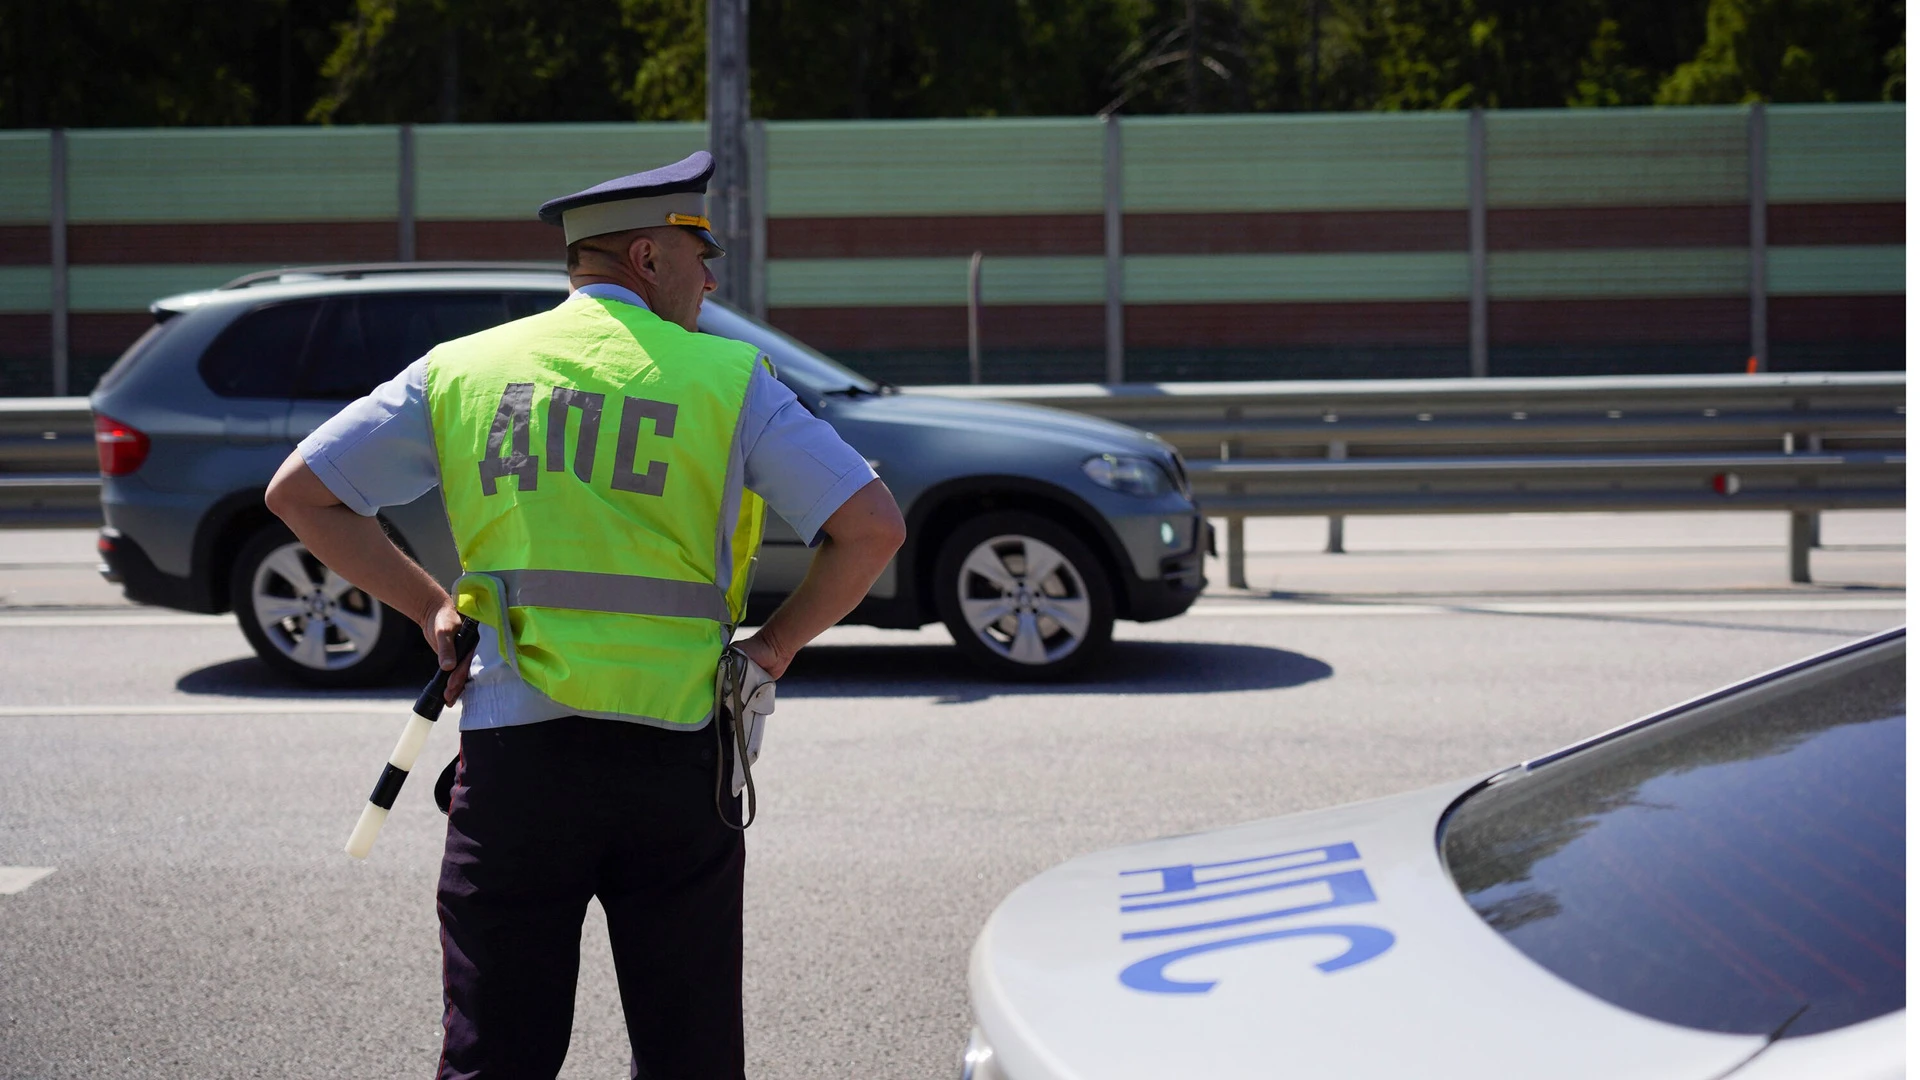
[
  {"x": 362, "y": 341},
  {"x": 522, "y": 304},
  {"x": 258, "y": 356}
]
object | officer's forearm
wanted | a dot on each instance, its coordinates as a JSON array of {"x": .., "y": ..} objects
[
  {"x": 354, "y": 547},
  {"x": 861, "y": 537}
]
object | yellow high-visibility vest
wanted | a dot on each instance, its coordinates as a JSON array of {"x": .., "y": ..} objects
[{"x": 584, "y": 458}]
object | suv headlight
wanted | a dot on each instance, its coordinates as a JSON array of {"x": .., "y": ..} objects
[{"x": 1128, "y": 474}]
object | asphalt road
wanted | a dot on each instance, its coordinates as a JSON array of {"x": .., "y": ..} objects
[{"x": 200, "y": 921}]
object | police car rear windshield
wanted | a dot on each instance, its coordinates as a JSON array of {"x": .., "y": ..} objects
[{"x": 1739, "y": 867}]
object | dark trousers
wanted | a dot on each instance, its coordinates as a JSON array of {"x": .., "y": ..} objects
[{"x": 546, "y": 816}]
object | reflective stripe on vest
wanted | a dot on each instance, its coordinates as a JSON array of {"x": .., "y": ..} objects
[
  {"x": 584, "y": 459},
  {"x": 627, "y": 594}
]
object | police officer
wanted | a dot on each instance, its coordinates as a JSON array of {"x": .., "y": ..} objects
[{"x": 604, "y": 467}]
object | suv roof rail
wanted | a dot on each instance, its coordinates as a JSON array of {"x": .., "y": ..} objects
[{"x": 350, "y": 271}]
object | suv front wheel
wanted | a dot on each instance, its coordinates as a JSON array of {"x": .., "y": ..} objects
[
  {"x": 308, "y": 622},
  {"x": 1023, "y": 597}
]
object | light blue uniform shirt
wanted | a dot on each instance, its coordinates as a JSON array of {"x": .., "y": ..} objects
[{"x": 378, "y": 452}]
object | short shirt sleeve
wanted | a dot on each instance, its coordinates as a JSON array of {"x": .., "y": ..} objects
[
  {"x": 795, "y": 460},
  {"x": 378, "y": 451}
]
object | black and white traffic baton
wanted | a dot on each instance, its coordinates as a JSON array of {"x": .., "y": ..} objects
[{"x": 419, "y": 725}]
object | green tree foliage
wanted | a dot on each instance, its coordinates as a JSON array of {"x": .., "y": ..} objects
[
  {"x": 148, "y": 62},
  {"x": 1781, "y": 50},
  {"x": 138, "y": 63}
]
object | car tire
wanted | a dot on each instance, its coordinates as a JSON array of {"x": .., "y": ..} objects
[
  {"x": 308, "y": 623},
  {"x": 1006, "y": 621}
]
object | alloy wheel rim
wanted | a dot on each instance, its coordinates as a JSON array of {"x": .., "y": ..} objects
[
  {"x": 313, "y": 616},
  {"x": 1024, "y": 600}
]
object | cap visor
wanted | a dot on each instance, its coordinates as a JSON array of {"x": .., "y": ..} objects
[{"x": 713, "y": 250}]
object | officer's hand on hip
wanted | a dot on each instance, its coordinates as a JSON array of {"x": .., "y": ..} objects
[
  {"x": 765, "y": 653},
  {"x": 440, "y": 625}
]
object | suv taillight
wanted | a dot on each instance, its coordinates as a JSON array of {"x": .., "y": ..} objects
[{"x": 122, "y": 448}]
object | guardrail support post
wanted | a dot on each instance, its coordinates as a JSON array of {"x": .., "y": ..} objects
[
  {"x": 1116, "y": 264},
  {"x": 1477, "y": 243},
  {"x": 58, "y": 300},
  {"x": 406, "y": 247},
  {"x": 1236, "y": 551},
  {"x": 757, "y": 212},
  {"x": 1757, "y": 235},
  {"x": 1337, "y": 523},
  {"x": 973, "y": 318},
  {"x": 1800, "y": 524}
]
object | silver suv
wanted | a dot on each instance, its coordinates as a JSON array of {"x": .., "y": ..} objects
[{"x": 1029, "y": 531}]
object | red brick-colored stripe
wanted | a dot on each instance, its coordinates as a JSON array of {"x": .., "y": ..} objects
[
  {"x": 1805, "y": 319},
  {"x": 1294, "y": 324},
  {"x": 518, "y": 241},
  {"x": 26, "y": 334},
  {"x": 25, "y": 245},
  {"x": 1715, "y": 320},
  {"x": 1063, "y": 326},
  {"x": 1562, "y": 228},
  {"x": 105, "y": 333},
  {"x": 1259, "y": 233},
  {"x": 908, "y": 237},
  {"x": 272, "y": 243},
  {"x": 1798, "y": 224}
]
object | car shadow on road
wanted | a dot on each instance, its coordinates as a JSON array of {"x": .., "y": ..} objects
[
  {"x": 247, "y": 676},
  {"x": 1130, "y": 667},
  {"x": 938, "y": 671}
]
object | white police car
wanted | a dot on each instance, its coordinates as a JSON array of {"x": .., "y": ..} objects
[{"x": 1716, "y": 890}]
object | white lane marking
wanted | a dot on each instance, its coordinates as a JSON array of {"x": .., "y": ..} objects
[
  {"x": 279, "y": 707},
  {"x": 1258, "y": 609},
  {"x": 41, "y": 622},
  {"x": 15, "y": 879}
]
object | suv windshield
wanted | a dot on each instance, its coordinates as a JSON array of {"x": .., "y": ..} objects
[
  {"x": 796, "y": 362},
  {"x": 1738, "y": 867}
]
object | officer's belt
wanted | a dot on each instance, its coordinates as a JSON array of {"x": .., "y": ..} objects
[{"x": 624, "y": 594}]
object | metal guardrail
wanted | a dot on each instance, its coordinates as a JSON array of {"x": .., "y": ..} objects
[
  {"x": 49, "y": 474},
  {"x": 1801, "y": 443}
]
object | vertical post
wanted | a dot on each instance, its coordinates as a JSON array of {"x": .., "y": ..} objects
[
  {"x": 406, "y": 249},
  {"x": 58, "y": 300},
  {"x": 1337, "y": 523},
  {"x": 1799, "y": 545},
  {"x": 727, "y": 141},
  {"x": 1757, "y": 235},
  {"x": 757, "y": 208},
  {"x": 973, "y": 317},
  {"x": 1236, "y": 523},
  {"x": 1115, "y": 251},
  {"x": 1236, "y": 551},
  {"x": 1477, "y": 243}
]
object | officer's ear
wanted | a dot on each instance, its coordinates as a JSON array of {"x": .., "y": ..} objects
[{"x": 644, "y": 254}]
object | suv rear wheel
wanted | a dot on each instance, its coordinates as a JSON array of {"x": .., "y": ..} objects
[
  {"x": 308, "y": 622},
  {"x": 1023, "y": 597}
]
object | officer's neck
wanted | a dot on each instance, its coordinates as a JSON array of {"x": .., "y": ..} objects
[{"x": 642, "y": 289}]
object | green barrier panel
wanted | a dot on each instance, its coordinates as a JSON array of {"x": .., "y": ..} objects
[
  {"x": 26, "y": 190},
  {"x": 1836, "y": 153},
  {"x": 133, "y": 287},
  {"x": 470, "y": 172},
  {"x": 233, "y": 174},
  {"x": 1617, "y": 274},
  {"x": 25, "y": 288},
  {"x": 1616, "y": 157},
  {"x": 935, "y": 281},
  {"x": 934, "y": 167},
  {"x": 1837, "y": 271},
  {"x": 1357, "y": 161},
  {"x": 1320, "y": 277}
]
